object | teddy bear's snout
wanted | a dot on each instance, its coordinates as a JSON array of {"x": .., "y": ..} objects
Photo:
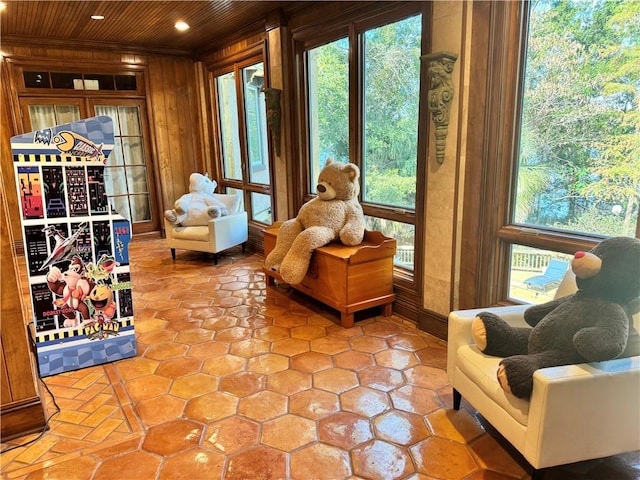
[
  {"x": 321, "y": 188},
  {"x": 586, "y": 264}
]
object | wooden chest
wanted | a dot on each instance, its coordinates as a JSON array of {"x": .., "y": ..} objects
[{"x": 348, "y": 279}]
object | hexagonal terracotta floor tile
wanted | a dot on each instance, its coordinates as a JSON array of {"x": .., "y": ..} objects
[
  {"x": 443, "y": 458},
  {"x": 365, "y": 401},
  {"x": 427, "y": 377},
  {"x": 194, "y": 385},
  {"x": 368, "y": 344},
  {"x": 321, "y": 461},
  {"x": 243, "y": 383},
  {"x": 459, "y": 426},
  {"x": 382, "y": 329},
  {"x": 137, "y": 464},
  {"x": 290, "y": 346},
  {"x": 147, "y": 387},
  {"x": 400, "y": 427},
  {"x": 336, "y": 380},
  {"x": 289, "y": 320},
  {"x": 268, "y": 363},
  {"x": 314, "y": 403},
  {"x": 330, "y": 345},
  {"x": 415, "y": 400},
  {"x": 345, "y": 430},
  {"x": 308, "y": 332},
  {"x": 136, "y": 367},
  {"x": 194, "y": 336},
  {"x": 271, "y": 333},
  {"x": 233, "y": 334},
  {"x": 209, "y": 349},
  {"x": 271, "y": 464},
  {"x": 211, "y": 407},
  {"x": 166, "y": 350},
  {"x": 489, "y": 455},
  {"x": 160, "y": 409},
  {"x": 381, "y": 378},
  {"x": 381, "y": 460},
  {"x": 249, "y": 348},
  {"x": 407, "y": 341},
  {"x": 353, "y": 360},
  {"x": 289, "y": 382},
  {"x": 263, "y": 405},
  {"x": 311, "y": 362},
  {"x": 232, "y": 434},
  {"x": 398, "y": 359},
  {"x": 177, "y": 367},
  {"x": 226, "y": 365},
  {"x": 172, "y": 437},
  {"x": 196, "y": 463},
  {"x": 288, "y": 432}
]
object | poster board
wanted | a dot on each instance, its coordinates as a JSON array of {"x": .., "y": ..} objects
[{"x": 76, "y": 247}]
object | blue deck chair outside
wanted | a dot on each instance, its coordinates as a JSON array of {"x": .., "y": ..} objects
[{"x": 551, "y": 277}]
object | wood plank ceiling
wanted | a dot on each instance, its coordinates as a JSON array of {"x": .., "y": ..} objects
[{"x": 142, "y": 24}]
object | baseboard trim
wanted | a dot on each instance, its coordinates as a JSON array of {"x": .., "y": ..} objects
[{"x": 21, "y": 418}]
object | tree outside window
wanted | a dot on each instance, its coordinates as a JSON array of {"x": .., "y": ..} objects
[{"x": 579, "y": 164}]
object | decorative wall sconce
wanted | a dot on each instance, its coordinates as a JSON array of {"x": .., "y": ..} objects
[
  {"x": 274, "y": 115},
  {"x": 440, "y": 66}
]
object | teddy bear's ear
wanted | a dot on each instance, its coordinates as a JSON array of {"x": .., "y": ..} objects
[
  {"x": 329, "y": 161},
  {"x": 352, "y": 170}
]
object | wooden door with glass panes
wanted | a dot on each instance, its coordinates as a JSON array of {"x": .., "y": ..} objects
[{"x": 128, "y": 173}]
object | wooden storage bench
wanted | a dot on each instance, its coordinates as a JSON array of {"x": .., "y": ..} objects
[{"x": 348, "y": 279}]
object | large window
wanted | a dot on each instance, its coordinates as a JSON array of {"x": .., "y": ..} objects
[
  {"x": 577, "y": 153},
  {"x": 363, "y": 92},
  {"x": 243, "y": 137}
]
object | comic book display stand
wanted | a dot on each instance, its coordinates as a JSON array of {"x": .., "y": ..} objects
[{"x": 76, "y": 247}]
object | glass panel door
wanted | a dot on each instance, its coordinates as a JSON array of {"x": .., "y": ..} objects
[
  {"x": 228, "y": 114},
  {"x": 243, "y": 140},
  {"x": 256, "y": 123},
  {"x": 126, "y": 174}
]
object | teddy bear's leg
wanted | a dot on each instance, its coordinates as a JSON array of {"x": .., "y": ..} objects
[
  {"x": 287, "y": 233},
  {"x": 515, "y": 373},
  {"x": 214, "y": 212},
  {"x": 295, "y": 264},
  {"x": 496, "y": 337},
  {"x": 171, "y": 216}
]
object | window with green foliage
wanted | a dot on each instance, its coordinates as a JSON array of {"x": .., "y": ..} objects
[
  {"x": 382, "y": 138},
  {"x": 578, "y": 171}
]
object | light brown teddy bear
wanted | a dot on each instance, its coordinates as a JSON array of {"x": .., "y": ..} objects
[{"x": 335, "y": 214}]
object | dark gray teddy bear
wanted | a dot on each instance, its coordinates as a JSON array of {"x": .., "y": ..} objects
[{"x": 592, "y": 325}]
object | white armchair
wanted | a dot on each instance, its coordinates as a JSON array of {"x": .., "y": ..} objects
[
  {"x": 575, "y": 413},
  {"x": 219, "y": 234}
]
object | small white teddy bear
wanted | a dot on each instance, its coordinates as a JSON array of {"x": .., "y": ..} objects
[{"x": 199, "y": 205}]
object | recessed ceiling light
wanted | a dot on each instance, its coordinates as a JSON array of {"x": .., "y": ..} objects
[
  {"x": 97, "y": 17},
  {"x": 182, "y": 26}
]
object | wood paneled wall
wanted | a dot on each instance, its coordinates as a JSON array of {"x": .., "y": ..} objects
[
  {"x": 174, "y": 108},
  {"x": 22, "y": 410}
]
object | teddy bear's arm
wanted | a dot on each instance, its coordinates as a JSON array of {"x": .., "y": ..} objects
[
  {"x": 605, "y": 340},
  {"x": 182, "y": 204},
  {"x": 535, "y": 313},
  {"x": 352, "y": 232}
]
